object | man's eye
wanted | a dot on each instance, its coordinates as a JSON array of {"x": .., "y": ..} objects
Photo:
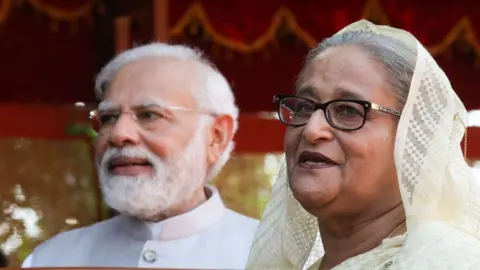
[
  {"x": 149, "y": 115},
  {"x": 106, "y": 119}
]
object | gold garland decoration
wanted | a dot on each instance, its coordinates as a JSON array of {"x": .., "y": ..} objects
[
  {"x": 62, "y": 15},
  {"x": 4, "y": 9},
  {"x": 197, "y": 12},
  {"x": 463, "y": 29},
  {"x": 372, "y": 10}
]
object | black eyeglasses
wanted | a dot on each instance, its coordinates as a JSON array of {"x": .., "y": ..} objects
[{"x": 343, "y": 114}]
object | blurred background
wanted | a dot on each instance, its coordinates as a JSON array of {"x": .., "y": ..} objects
[{"x": 50, "y": 51}]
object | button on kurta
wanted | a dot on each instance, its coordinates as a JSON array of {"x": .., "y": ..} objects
[{"x": 150, "y": 256}]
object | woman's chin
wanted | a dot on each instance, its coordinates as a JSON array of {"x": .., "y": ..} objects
[{"x": 313, "y": 198}]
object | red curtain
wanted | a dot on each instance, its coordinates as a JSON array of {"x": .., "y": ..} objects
[
  {"x": 260, "y": 45},
  {"x": 247, "y": 26},
  {"x": 48, "y": 58},
  {"x": 61, "y": 10}
]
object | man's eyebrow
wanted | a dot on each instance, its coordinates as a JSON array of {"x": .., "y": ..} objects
[
  {"x": 151, "y": 103},
  {"x": 107, "y": 105}
]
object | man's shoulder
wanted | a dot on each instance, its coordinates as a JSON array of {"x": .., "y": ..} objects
[
  {"x": 70, "y": 247},
  {"x": 76, "y": 235},
  {"x": 236, "y": 234},
  {"x": 240, "y": 222}
]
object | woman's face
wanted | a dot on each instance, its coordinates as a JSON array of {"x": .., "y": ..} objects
[{"x": 360, "y": 176}]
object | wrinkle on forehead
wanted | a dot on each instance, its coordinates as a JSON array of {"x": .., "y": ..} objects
[
  {"x": 108, "y": 105},
  {"x": 340, "y": 92},
  {"x": 155, "y": 80},
  {"x": 341, "y": 72}
]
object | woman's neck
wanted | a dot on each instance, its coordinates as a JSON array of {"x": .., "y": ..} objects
[{"x": 354, "y": 238}]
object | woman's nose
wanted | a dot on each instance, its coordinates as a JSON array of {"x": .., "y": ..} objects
[{"x": 317, "y": 128}]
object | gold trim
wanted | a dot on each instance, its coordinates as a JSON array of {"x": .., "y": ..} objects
[
  {"x": 463, "y": 29},
  {"x": 197, "y": 12},
  {"x": 62, "y": 15},
  {"x": 4, "y": 9},
  {"x": 372, "y": 10}
]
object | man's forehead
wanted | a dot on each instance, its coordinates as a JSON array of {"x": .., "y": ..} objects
[
  {"x": 153, "y": 81},
  {"x": 109, "y": 105},
  {"x": 159, "y": 69}
]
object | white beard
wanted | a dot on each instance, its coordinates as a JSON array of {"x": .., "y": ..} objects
[{"x": 174, "y": 180}]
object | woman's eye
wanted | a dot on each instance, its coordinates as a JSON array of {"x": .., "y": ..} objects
[
  {"x": 304, "y": 107},
  {"x": 347, "y": 110}
]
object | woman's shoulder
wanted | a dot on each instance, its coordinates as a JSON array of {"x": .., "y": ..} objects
[
  {"x": 440, "y": 245},
  {"x": 440, "y": 233}
]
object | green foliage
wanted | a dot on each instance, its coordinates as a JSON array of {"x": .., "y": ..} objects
[{"x": 80, "y": 129}]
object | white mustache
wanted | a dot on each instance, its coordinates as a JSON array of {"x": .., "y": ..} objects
[{"x": 130, "y": 152}]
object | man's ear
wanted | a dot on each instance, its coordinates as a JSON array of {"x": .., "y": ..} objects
[{"x": 221, "y": 135}]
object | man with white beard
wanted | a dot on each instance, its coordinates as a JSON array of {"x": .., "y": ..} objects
[{"x": 166, "y": 122}]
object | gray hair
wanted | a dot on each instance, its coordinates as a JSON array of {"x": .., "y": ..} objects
[
  {"x": 215, "y": 96},
  {"x": 398, "y": 59}
]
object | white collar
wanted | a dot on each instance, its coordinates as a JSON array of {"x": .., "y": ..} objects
[{"x": 191, "y": 222}]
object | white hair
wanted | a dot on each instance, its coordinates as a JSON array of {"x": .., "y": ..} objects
[
  {"x": 215, "y": 96},
  {"x": 397, "y": 58}
]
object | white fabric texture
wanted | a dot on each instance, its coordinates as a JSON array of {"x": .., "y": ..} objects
[
  {"x": 207, "y": 237},
  {"x": 439, "y": 192}
]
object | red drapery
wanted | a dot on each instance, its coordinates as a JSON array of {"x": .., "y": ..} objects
[
  {"x": 61, "y": 10},
  {"x": 250, "y": 41},
  {"x": 246, "y": 39},
  {"x": 41, "y": 65},
  {"x": 248, "y": 26},
  {"x": 5, "y": 6}
]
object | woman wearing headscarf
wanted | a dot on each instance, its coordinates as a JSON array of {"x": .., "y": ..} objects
[{"x": 374, "y": 176}]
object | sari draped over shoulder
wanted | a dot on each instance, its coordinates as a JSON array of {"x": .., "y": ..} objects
[{"x": 439, "y": 192}]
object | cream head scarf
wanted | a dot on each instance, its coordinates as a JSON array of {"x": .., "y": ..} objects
[{"x": 439, "y": 192}]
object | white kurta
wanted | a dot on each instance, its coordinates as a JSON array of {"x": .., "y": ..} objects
[{"x": 210, "y": 237}]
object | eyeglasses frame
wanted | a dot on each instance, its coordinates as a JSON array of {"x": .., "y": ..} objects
[{"x": 367, "y": 105}]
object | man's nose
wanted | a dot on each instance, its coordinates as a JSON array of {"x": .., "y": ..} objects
[
  {"x": 317, "y": 128},
  {"x": 125, "y": 132}
]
